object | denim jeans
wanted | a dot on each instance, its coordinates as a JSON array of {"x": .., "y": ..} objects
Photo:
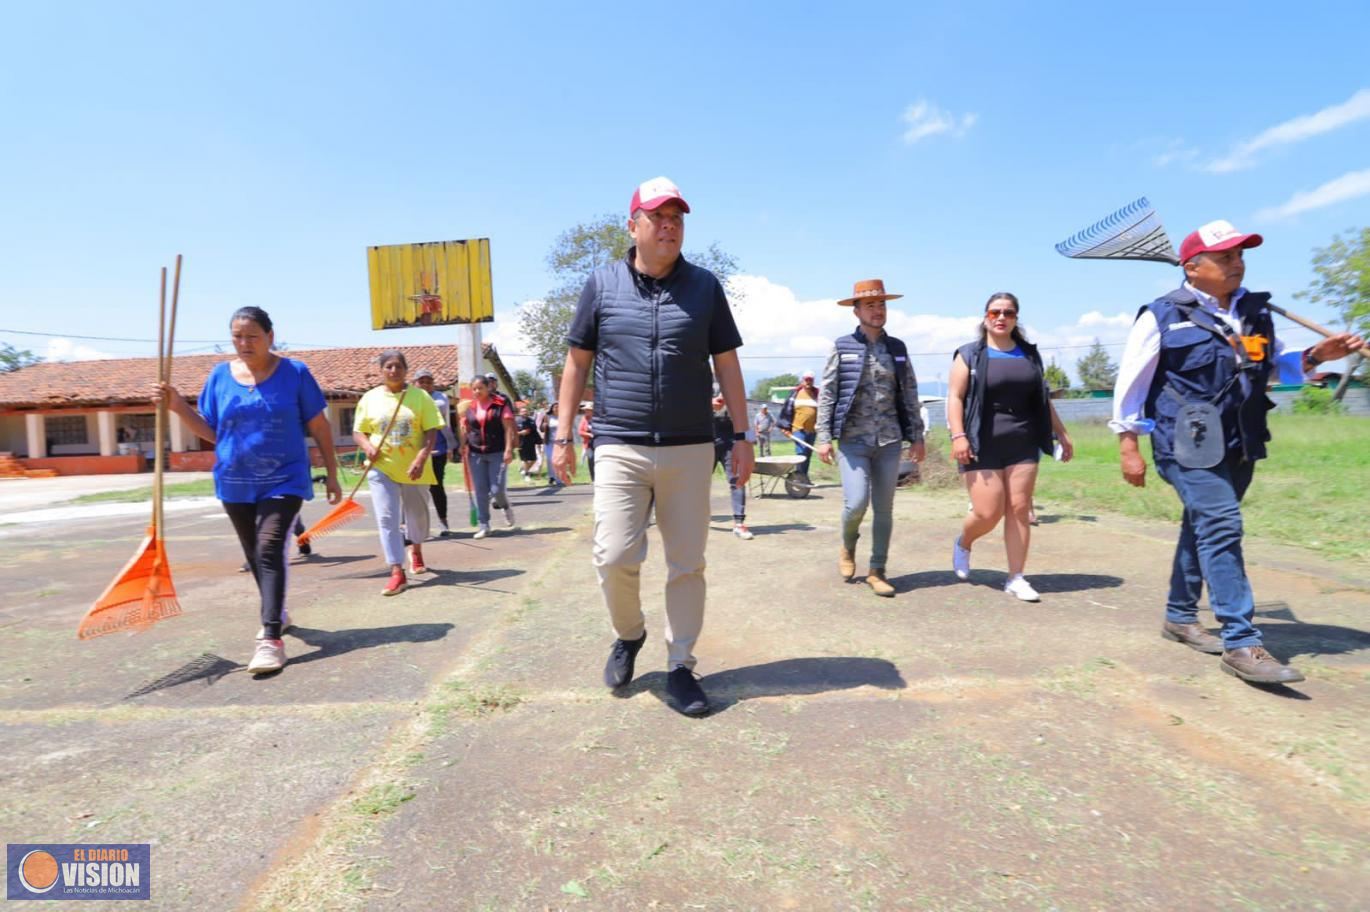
[
  {"x": 805, "y": 451},
  {"x": 1210, "y": 548},
  {"x": 723, "y": 455},
  {"x": 486, "y": 470},
  {"x": 869, "y": 475}
]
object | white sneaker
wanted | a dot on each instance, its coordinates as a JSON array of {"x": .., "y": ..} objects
[
  {"x": 509, "y": 517},
  {"x": 482, "y": 531},
  {"x": 269, "y": 657},
  {"x": 742, "y": 532},
  {"x": 1018, "y": 587},
  {"x": 286, "y": 624},
  {"x": 960, "y": 560}
]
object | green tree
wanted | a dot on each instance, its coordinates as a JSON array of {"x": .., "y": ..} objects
[
  {"x": 1097, "y": 371},
  {"x": 1343, "y": 279},
  {"x": 763, "y": 388},
  {"x": 578, "y": 252},
  {"x": 1056, "y": 376},
  {"x": 12, "y": 358},
  {"x": 528, "y": 386}
]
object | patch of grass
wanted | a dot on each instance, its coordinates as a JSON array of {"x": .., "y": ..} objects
[
  {"x": 382, "y": 799},
  {"x": 457, "y": 698},
  {"x": 201, "y": 488},
  {"x": 1307, "y": 493}
]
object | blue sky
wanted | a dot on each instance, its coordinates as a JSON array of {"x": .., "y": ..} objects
[{"x": 943, "y": 147}]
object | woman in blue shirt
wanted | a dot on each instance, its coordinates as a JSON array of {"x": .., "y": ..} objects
[{"x": 257, "y": 410}]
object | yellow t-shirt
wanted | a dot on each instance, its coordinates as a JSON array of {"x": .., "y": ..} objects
[
  {"x": 416, "y": 417},
  {"x": 805, "y": 411}
]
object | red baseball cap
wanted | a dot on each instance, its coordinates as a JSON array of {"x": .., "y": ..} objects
[
  {"x": 653, "y": 193},
  {"x": 1219, "y": 235}
]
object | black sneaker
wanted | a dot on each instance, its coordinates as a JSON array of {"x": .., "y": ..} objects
[
  {"x": 685, "y": 692},
  {"x": 619, "y": 669},
  {"x": 305, "y": 549}
]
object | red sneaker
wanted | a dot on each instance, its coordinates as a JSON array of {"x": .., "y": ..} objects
[
  {"x": 416, "y": 564},
  {"x": 397, "y": 583}
]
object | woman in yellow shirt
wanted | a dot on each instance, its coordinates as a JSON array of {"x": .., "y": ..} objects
[{"x": 400, "y": 470}]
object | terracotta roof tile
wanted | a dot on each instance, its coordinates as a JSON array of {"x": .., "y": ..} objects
[{"x": 340, "y": 371}]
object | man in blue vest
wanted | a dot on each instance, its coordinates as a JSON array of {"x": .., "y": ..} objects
[
  {"x": 1193, "y": 376},
  {"x": 650, "y": 324},
  {"x": 868, "y": 402}
]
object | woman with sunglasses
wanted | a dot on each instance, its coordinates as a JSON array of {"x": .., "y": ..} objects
[{"x": 1001, "y": 419}]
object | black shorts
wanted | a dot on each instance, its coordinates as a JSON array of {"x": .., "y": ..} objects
[{"x": 1002, "y": 452}]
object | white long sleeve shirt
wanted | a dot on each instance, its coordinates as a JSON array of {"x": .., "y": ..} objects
[{"x": 1142, "y": 355}]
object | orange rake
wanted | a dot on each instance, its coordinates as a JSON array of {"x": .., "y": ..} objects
[
  {"x": 349, "y": 509},
  {"x": 143, "y": 592}
]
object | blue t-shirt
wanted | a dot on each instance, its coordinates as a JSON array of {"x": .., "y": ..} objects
[{"x": 261, "y": 449}]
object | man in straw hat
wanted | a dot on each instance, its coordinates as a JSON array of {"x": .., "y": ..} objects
[
  {"x": 1194, "y": 376},
  {"x": 868, "y": 402},
  {"x": 651, "y": 323}
]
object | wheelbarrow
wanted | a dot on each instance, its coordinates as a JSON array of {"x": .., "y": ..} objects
[{"x": 770, "y": 472}]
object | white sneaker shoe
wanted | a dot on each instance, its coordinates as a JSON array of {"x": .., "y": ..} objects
[
  {"x": 269, "y": 657},
  {"x": 286, "y": 624},
  {"x": 482, "y": 531},
  {"x": 960, "y": 560},
  {"x": 509, "y": 517},
  {"x": 1018, "y": 587},
  {"x": 742, "y": 532}
]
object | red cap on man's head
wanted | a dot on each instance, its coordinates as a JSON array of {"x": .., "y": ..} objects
[
  {"x": 653, "y": 193},
  {"x": 1214, "y": 236}
]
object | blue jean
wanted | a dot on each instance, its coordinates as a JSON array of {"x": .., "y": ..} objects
[
  {"x": 723, "y": 455},
  {"x": 869, "y": 476},
  {"x": 1210, "y": 548},
  {"x": 486, "y": 470},
  {"x": 805, "y": 451}
]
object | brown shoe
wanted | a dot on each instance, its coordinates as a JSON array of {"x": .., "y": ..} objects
[
  {"x": 1254, "y": 664},
  {"x": 846, "y": 564},
  {"x": 879, "y": 585},
  {"x": 1194, "y": 636}
]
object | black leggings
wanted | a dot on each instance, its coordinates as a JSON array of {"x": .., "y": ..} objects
[
  {"x": 263, "y": 529},
  {"x": 437, "y": 490}
]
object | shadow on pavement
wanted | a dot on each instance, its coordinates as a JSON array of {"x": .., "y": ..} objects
[
  {"x": 208, "y": 668},
  {"x": 995, "y": 579},
  {"x": 330, "y": 643},
  {"x": 1046, "y": 519},
  {"x": 1287, "y": 640},
  {"x": 781, "y": 678},
  {"x": 324, "y": 560}
]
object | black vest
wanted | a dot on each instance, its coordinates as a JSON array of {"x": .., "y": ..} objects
[
  {"x": 849, "y": 371},
  {"x": 653, "y": 380},
  {"x": 487, "y": 437},
  {"x": 976, "y": 357}
]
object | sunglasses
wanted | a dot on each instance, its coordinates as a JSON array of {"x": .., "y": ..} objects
[{"x": 995, "y": 314}]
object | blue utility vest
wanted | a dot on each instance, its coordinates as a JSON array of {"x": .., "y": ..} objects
[
  {"x": 1198, "y": 363},
  {"x": 849, "y": 372}
]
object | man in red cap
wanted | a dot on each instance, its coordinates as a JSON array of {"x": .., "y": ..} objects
[
  {"x": 1194, "y": 376},
  {"x": 651, "y": 323}
]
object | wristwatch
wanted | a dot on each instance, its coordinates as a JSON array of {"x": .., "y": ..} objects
[
  {"x": 563, "y": 441},
  {"x": 739, "y": 436}
]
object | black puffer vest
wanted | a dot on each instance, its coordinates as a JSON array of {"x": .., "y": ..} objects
[
  {"x": 653, "y": 380},
  {"x": 851, "y": 362}
]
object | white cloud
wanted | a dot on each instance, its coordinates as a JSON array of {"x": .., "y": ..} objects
[
  {"x": 1177, "y": 151},
  {"x": 1349, "y": 186},
  {"x": 925, "y": 119},
  {"x": 1296, "y": 130},
  {"x": 66, "y": 350}
]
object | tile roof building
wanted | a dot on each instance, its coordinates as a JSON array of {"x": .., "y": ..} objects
[{"x": 88, "y": 417}]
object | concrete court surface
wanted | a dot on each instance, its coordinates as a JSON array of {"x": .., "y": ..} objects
[{"x": 452, "y": 748}]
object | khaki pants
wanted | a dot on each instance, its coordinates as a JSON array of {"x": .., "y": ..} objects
[{"x": 629, "y": 481}]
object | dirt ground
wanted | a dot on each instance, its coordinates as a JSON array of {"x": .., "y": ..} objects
[{"x": 453, "y": 748}]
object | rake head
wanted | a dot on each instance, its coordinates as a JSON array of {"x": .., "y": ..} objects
[
  {"x": 340, "y": 515},
  {"x": 140, "y": 596}
]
